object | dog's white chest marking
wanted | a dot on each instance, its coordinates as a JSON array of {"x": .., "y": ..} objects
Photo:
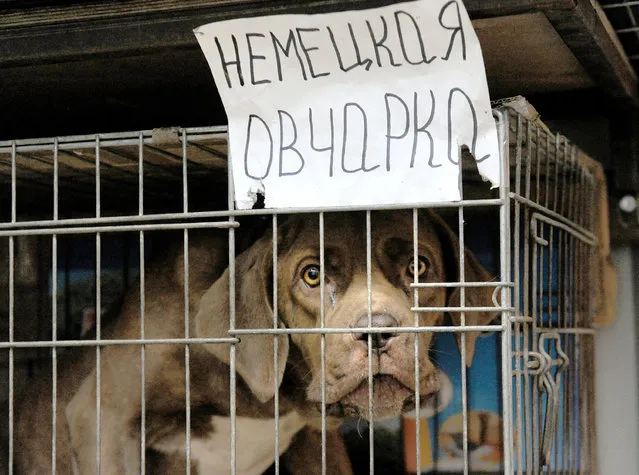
[{"x": 255, "y": 444}]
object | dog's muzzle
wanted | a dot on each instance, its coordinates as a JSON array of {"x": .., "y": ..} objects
[{"x": 379, "y": 341}]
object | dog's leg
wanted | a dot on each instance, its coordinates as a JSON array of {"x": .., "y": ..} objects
[
  {"x": 119, "y": 451},
  {"x": 304, "y": 456}
]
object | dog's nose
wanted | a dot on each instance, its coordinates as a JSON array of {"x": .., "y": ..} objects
[{"x": 379, "y": 340}]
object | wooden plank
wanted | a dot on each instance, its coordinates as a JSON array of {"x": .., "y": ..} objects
[
  {"x": 126, "y": 54},
  {"x": 16, "y": 15},
  {"x": 596, "y": 47},
  {"x": 586, "y": 31},
  {"x": 492, "y": 8},
  {"x": 523, "y": 54},
  {"x": 73, "y": 32}
]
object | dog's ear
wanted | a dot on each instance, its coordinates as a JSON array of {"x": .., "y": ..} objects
[
  {"x": 474, "y": 296},
  {"x": 253, "y": 309}
]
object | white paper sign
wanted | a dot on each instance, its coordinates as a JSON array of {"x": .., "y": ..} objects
[{"x": 365, "y": 107}]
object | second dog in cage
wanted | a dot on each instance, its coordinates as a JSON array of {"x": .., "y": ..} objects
[{"x": 169, "y": 396}]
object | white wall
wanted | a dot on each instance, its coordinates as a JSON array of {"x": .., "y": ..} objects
[{"x": 616, "y": 377}]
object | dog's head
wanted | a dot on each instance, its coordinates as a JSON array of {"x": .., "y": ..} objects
[{"x": 348, "y": 296}]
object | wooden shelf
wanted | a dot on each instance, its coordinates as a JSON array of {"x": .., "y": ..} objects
[
  {"x": 584, "y": 30},
  {"x": 111, "y": 65}
]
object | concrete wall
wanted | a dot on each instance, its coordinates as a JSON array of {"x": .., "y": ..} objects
[{"x": 616, "y": 375}]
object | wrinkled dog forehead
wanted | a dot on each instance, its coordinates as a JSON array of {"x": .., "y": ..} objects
[{"x": 349, "y": 229}]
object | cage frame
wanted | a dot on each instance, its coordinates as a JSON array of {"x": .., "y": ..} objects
[{"x": 507, "y": 287}]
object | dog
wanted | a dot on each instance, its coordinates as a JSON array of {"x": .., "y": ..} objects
[{"x": 297, "y": 377}]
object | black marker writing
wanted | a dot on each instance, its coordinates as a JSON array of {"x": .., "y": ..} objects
[
  {"x": 413, "y": 122},
  {"x": 423, "y": 129},
  {"x": 456, "y": 29},
  {"x": 358, "y": 57},
  {"x": 400, "y": 38},
  {"x": 417, "y": 34},
  {"x": 290, "y": 43},
  {"x": 473, "y": 114},
  {"x": 331, "y": 147},
  {"x": 247, "y": 154},
  {"x": 281, "y": 114},
  {"x": 307, "y": 49},
  {"x": 347, "y": 106},
  {"x": 389, "y": 120},
  {"x": 226, "y": 63},
  {"x": 253, "y": 57},
  {"x": 381, "y": 43}
]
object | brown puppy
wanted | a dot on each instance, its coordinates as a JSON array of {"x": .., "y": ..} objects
[{"x": 299, "y": 363}]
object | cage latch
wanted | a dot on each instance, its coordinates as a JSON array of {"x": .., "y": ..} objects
[{"x": 550, "y": 384}]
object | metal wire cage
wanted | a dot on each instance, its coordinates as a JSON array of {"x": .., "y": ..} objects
[
  {"x": 78, "y": 217},
  {"x": 553, "y": 260}
]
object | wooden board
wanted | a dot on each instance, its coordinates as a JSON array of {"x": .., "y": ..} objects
[
  {"x": 524, "y": 55},
  {"x": 111, "y": 66}
]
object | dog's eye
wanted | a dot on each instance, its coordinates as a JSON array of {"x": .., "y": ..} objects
[
  {"x": 311, "y": 275},
  {"x": 422, "y": 267}
]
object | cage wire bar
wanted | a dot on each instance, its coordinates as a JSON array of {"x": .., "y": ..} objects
[
  {"x": 187, "y": 352},
  {"x": 505, "y": 291},
  {"x": 624, "y": 16},
  {"x": 418, "y": 455},
  {"x": 546, "y": 244},
  {"x": 142, "y": 278},
  {"x": 553, "y": 218}
]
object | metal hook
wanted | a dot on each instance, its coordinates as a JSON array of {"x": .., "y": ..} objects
[{"x": 550, "y": 386}]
